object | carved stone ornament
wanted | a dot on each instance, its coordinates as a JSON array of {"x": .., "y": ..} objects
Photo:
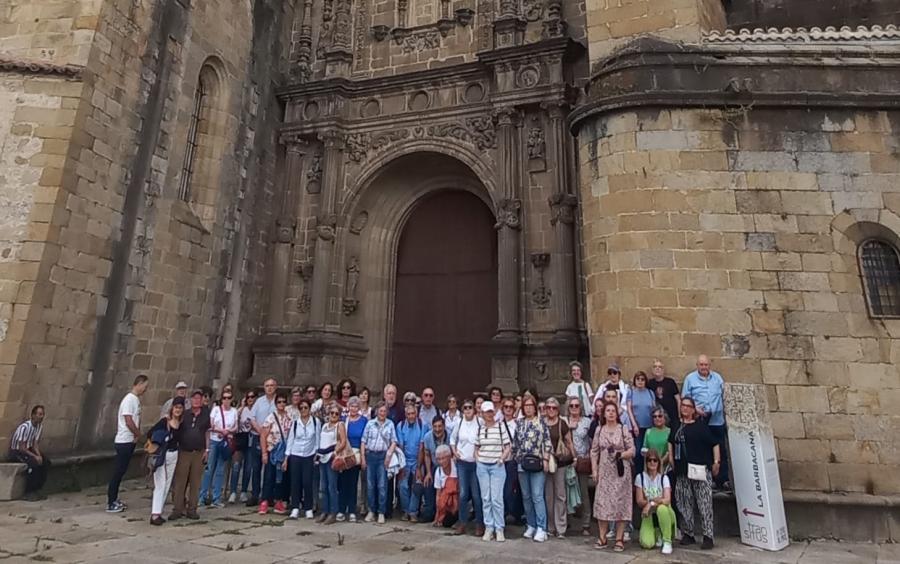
[
  {"x": 359, "y": 222},
  {"x": 358, "y": 145},
  {"x": 464, "y": 16},
  {"x": 325, "y": 227},
  {"x": 380, "y": 32},
  {"x": 411, "y": 42},
  {"x": 325, "y": 30},
  {"x": 343, "y": 25},
  {"x": 528, "y": 76},
  {"x": 305, "y": 270},
  {"x": 536, "y": 145},
  {"x": 533, "y": 10},
  {"x": 314, "y": 175},
  {"x": 350, "y": 303},
  {"x": 562, "y": 208},
  {"x": 554, "y": 25},
  {"x": 508, "y": 211},
  {"x": 541, "y": 368},
  {"x": 540, "y": 296},
  {"x": 284, "y": 230},
  {"x": 478, "y": 131}
]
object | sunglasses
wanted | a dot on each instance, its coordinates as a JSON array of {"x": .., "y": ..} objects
[
  {"x": 346, "y": 387},
  {"x": 550, "y": 407},
  {"x": 509, "y": 407},
  {"x": 251, "y": 397},
  {"x": 468, "y": 407},
  {"x": 659, "y": 416},
  {"x": 281, "y": 401},
  {"x": 649, "y": 460},
  {"x": 226, "y": 397},
  {"x": 427, "y": 395}
]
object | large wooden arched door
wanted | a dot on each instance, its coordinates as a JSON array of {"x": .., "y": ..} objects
[{"x": 445, "y": 311}]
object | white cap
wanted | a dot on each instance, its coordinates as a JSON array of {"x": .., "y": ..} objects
[
  {"x": 487, "y": 406},
  {"x": 181, "y": 385}
]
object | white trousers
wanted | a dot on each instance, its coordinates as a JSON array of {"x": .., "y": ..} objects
[{"x": 162, "y": 481}]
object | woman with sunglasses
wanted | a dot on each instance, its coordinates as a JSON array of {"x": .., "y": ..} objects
[
  {"x": 579, "y": 388},
  {"x": 463, "y": 442},
  {"x": 555, "y": 491},
  {"x": 531, "y": 450},
  {"x": 346, "y": 390},
  {"x": 240, "y": 462},
  {"x": 641, "y": 401},
  {"x": 657, "y": 437},
  {"x": 580, "y": 424},
  {"x": 696, "y": 455},
  {"x": 653, "y": 494},
  {"x": 452, "y": 415},
  {"x": 223, "y": 424},
  {"x": 274, "y": 457},
  {"x": 332, "y": 438},
  {"x": 611, "y": 456},
  {"x": 302, "y": 444}
]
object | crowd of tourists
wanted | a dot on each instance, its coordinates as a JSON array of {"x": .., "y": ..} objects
[{"x": 473, "y": 464}]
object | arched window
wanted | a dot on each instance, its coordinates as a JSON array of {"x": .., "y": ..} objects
[
  {"x": 204, "y": 145},
  {"x": 879, "y": 265}
]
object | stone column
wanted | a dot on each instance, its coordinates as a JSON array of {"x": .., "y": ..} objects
[
  {"x": 326, "y": 224},
  {"x": 508, "y": 225},
  {"x": 285, "y": 228},
  {"x": 562, "y": 217}
]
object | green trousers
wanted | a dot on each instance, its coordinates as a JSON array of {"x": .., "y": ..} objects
[{"x": 666, "y": 517}]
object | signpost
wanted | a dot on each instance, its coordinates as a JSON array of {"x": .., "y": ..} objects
[{"x": 754, "y": 467}]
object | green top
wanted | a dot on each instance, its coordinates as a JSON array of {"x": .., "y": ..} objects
[{"x": 658, "y": 440}]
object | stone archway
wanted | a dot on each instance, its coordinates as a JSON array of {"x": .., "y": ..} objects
[{"x": 445, "y": 296}]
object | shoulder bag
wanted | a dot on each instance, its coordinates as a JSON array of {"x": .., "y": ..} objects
[
  {"x": 532, "y": 462},
  {"x": 229, "y": 439},
  {"x": 346, "y": 459},
  {"x": 564, "y": 456}
]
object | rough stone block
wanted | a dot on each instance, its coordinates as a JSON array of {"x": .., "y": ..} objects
[
  {"x": 12, "y": 480},
  {"x": 803, "y": 399}
]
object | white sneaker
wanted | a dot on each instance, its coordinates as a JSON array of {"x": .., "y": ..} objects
[
  {"x": 667, "y": 548},
  {"x": 370, "y": 517},
  {"x": 611, "y": 534},
  {"x": 488, "y": 535},
  {"x": 340, "y": 517},
  {"x": 529, "y": 532},
  {"x": 352, "y": 518},
  {"x": 540, "y": 535},
  {"x": 244, "y": 497},
  {"x": 309, "y": 514},
  {"x": 498, "y": 535},
  {"x": 295, "y": 513},
  {"x": 627, "y": 536},
  {"x": 381, "y": 518},
  {"x": 232, "y": 498},
  {"x": 659, "y": 541}
]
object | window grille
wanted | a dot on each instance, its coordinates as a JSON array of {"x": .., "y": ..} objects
[
  {"x": 880, "y": 268},
  {"x": 193, "y": 139}
]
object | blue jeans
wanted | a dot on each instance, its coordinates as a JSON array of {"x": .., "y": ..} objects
[
  {"x": 329, "y": 481},
  {"x": 376, "y": 482},
  {"x": 532, "y": 486},
  {"x": 273, "y": 490},
  {"x": 124, "y": 451},
  {"x": 512, "y": 493},
  {"x": 215, "y": 471},
  {"x": 409, "y": 500},
  {"x": 347, "y": 483},
  {"x": 241, "y": 468},
  {"x": 469, "y": 491},
  {"x": 429, "y": 504},
  {"x": 490, "y": 479},
  {"x": 253, "y": 466}
]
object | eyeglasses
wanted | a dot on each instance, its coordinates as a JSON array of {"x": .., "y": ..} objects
[
  {"x": 659, "y": 416},
  {"x": 574, "y": 406},
  {"x": 468, "y": 407},
  {"x": 427, "y": 395},
  {"x": 251, "y": 397},
  {"x": 311, "y": 391},
  {"x": 509, "y": 406},
  {"x": 346, "y": 387},
  {"x": 334, "y": 414},
  {"x": 649, "y": 460},
  {"x": 281, "y": 401},
  {"x": 226, "y": 397},
  {"x": 551, "y": 407}
]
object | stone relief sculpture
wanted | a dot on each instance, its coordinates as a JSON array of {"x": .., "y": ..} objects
[
  {"x": 305, "y": 270},
  {"x": 540, "y": 296},
  {"x": 350, "y": 302}
]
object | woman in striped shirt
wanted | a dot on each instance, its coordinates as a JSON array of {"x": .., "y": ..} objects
[{"x": 491, "y": 451}]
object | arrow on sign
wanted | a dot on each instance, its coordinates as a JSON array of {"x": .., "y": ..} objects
[{"x": 748, "y": 512}]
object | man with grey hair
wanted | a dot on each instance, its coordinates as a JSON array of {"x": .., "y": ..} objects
[
  {"x": 446, "y": 484},
  {"x": 707, "y": 388}
]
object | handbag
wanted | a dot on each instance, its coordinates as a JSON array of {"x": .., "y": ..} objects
[
  {"x": 696, "y": 472},
  {"x": 583, "y": 466},
  {"x": 562, "y": 455},
  {"x": 348, "y": 459},
  {"x": 532, "y": 463},
  {"x": 229, "y": 439}
]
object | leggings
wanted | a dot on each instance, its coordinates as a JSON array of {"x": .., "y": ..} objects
[{"x": 666, "y": 517}]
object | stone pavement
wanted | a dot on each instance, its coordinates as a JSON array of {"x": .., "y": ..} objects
[{"x": 75, "y": 528}]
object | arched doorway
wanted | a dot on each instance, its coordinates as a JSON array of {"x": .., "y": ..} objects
[{"x": 445, "y": 302}]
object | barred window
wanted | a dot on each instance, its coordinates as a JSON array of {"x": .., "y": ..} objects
[
  {"x": 190, "y": 154},
  {"x": 880, "y": 268}
]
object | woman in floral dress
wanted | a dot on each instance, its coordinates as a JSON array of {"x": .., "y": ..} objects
[{"x": 613, "y": 498}]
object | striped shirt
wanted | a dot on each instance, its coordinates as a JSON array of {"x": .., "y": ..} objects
[
  {"x": 28, "y": 433},
  {"x": 491, "y": 441},
  {"x": 378, "y": 436}
]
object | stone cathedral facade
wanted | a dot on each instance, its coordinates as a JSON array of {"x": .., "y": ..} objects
[{"x": 459, "y": 193}]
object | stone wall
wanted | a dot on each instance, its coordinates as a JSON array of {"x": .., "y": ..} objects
[
  {"x": 125, "y": 278},
  {"x": 810, "y": 13},
  {"x": 733, "y": 233}
]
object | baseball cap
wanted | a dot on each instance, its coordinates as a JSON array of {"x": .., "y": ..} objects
[
  {"x": 181, "y": 385},
  {"x": 487, "y": 406}
]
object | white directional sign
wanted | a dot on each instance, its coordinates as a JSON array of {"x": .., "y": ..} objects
[{"x": 754, "y": 467}]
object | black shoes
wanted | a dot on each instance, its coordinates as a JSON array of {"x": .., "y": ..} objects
[
  {"x": 687, "y": 540},
  {"x": 157, "y": 521},
  {"x": 175, "y": 516},
  {"x": 707, "y": 543}
]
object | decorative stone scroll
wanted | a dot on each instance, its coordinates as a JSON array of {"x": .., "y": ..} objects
[
  {"x": 540, "y": 296},
  {"x": 479, "y": 131},
  {"x": 508, "y": 211},
  {"x": 305, "y": 270},
  {"x": 350, "y": 303}
]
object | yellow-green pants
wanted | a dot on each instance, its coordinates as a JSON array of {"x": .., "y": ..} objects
[{"x": 666, "y": 517}]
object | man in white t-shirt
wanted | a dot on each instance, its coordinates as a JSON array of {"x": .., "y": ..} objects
[
  {"x": 128, "y": 432},
  {"x": 446, "y": 483}
]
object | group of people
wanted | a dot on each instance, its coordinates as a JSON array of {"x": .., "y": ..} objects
[{"x": 474, "y": 464}]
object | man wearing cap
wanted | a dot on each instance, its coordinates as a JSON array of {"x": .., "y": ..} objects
[
  {"x": 181, "y": 390},
  {"x": 615, "y": 382},
  {"x": 193, "y": 450}
]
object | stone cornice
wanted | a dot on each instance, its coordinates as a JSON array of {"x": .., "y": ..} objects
[
  {"x": 25, "y": 66},
  {"x": 653, "y": 73},
  {"x": 804, "y": 35}
]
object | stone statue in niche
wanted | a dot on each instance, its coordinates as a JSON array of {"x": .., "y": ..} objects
[
  {"x": 350, "y": 303},
  {"x": 540, "y": 296},
  {"x": 305, "y": 270}
]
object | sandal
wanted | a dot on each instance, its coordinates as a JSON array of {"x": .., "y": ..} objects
[
  {"x": 620, "y": 546},
  {"x": 601, "y": 545}
]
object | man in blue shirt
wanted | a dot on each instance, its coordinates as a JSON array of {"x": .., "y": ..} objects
[
  {"x": 707, "y": 389},
  {"x": 409, "y": 438},
  {"x": 262, "y": 408}
]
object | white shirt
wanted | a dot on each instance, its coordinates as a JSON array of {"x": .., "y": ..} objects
[
  {"x": 623, "y": 392},
  {"x": 130, "y": 405},
  {"x": 464, "y": 437},
  {"x": 582, "y": 391},
  {"x": 215, "y": 421},
  {"x": 652, "y": 488},
  {"x": 303, "y": 438},
  {"x": 440, "y": 478},
  {"x": 508, "y": 428},
  {"x": 244, "y": 418},
  {"x": 451, "y": 421}
]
